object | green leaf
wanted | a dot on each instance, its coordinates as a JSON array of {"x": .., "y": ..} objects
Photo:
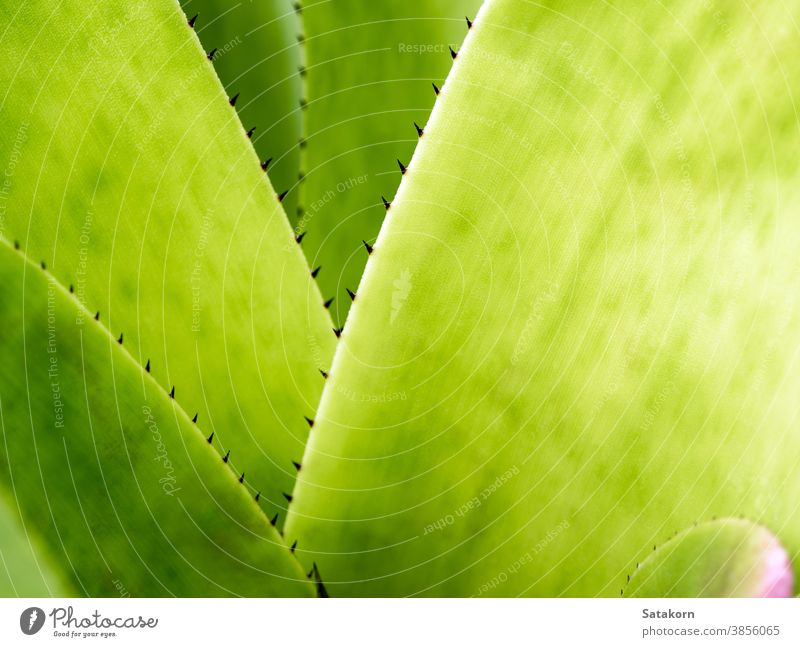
[
  {"x": 130, "y": 176},
  {"x": 109, "y": 471},
  {"x": 370, "y": 66},
  {"x": 25, "y": 571},
  {"x": 578, "y": 329},
  {"x": 718, "y": 559},
  {"x": 257, "y": 58}
]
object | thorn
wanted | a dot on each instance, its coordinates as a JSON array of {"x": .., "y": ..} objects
[
  {"x": 351, "y": 293},
  {"x": 288, "y": 497},
  {"x": 44, "y": 267},
  {"x": 294, "y": 545},
  {"x": 119, "y": 341},
  {"x": 297, "y": 7},
  {"x": 192, "y": 20},
  {"x": 71, "y": 288},
  {"x": 281, "y": 196},
  {"x": 321, "y": 592},
  {"x": 241, "y": 478},
  {"x": 301, "y": 70},
  {"x": 233, "y": 99},
  {"x": 402, "y": 168},
  {"x": 629, "y": 578},
  {"x": 469, "y": 22},
  {"x": 301, "y": 142},
  {"x": 419, "y": 130},
  {"x": 258, "y": 496},
  {"x": 386, "y": 203},
  {"x": 172, "y": 392},
  {"x": 302, "y": 103},
  {"x": 250, "y": 132},
  {"x": 194, "y": 419},
  {"x": 323, "y": 374},
  {"x": 453, "y": 54},
  {"x": 210, "y": 56},
  {"x": 265, "y": 164},
  {"x": 310, "y": 573},
  {"x": 147, "y": 366},
  {"x": 300, "y": 38},
  {"x": 299, "y": 238},
  {"x": 274, "y": 519},
  {"x": 97, "y": 316},
  {"x": 226, "y": 457},
  {"x": 299, "y": 211},
  {"x": 296, "y": 465},
  {"x": 436, "y": 89},
  {"x": 16, "y": 244},
  {"x": 620, "y": 592},
  {"x": 368, "y": 246},
  {"x": 327, "y": 304},
  {"x": 210, "y": 438},
  {"x": 338, "y": 332},
  {"x": 309, "y": 421},
  {"x": 654, "y": 546},
  {"x": 315, "y": 272}
]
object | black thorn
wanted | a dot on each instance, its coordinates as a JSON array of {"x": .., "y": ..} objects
[
  {"x": 192, "y": 20},
  {"x": 402, "y": 168},
  {"x": 419, "y": 130},
  {"x": 282, "y": 195},
  {"x": 294, "y": 545},
  {"x": 119, "y": 341},
  {"x": 629, "y": 579},
  {"x": 265, "y": 164},
  {"x": 250, "y": 132},
  {"x": 453, "y": 54},
  {"x": 44, "y": 267},
  {"x": 241, "y": 478},
  {"x": 309, "y": 421},
  {"x": 233, "y": 99},
  {"x": 226, "y": 457},
  {"x": 327, "y": 304},
  {"x": 310, "y": 573},
  {"x": 210, "y": 56},
  {"x": 435, "y": 89},
  {"x": 368, "y": 246},
  {"x": 299, "y": 238},
  {"x": 274, "y": 519},
  {"x": 194, "y": 419},
  {"x": 315, "y": 272},
  {"x": 386, "y": 203},
  {"x": 71, "y": 288},
  {"x": 302, "y": 70},
  {"x": 321, "y": 592},
  {"x": 338, "y": 332},
  {"x": 296, "y": 465},
  {"x": 172, "y": 392},
  {"x": 351, "y": 293},
  {"x": 288, "y": 497},
  {"x": 323, "y": 374},
  {"x": 258, "y": 496},
  {"x": 147, "y": 366},
  {"x": 297, "y": 7},
  {"x": 299, "y": 211},
  {"x": 16, "y": 244},
  {"x": 469, "y": 23},
  {"x": 97, "y": 316},
  {"x": 301, "y": 142},
  {"x": 301, "y": 176},
  {"x": 300, "y": 38},
  {"x": 302, "y": 103}
]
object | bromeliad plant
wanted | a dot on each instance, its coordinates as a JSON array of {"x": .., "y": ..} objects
[{"x": 575, "y": 335}]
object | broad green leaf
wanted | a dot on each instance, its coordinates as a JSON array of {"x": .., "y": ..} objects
[
  {"x": 110, "y": 471},
  {"x": 257, "y": 57},
  {"x": 25, "y": 571},
  {"x": 717, "y": 559},
  {"x": 129, "y": 175},
  {"x": 578, "y": 330},
  {"x": 370, "y": 66}
]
